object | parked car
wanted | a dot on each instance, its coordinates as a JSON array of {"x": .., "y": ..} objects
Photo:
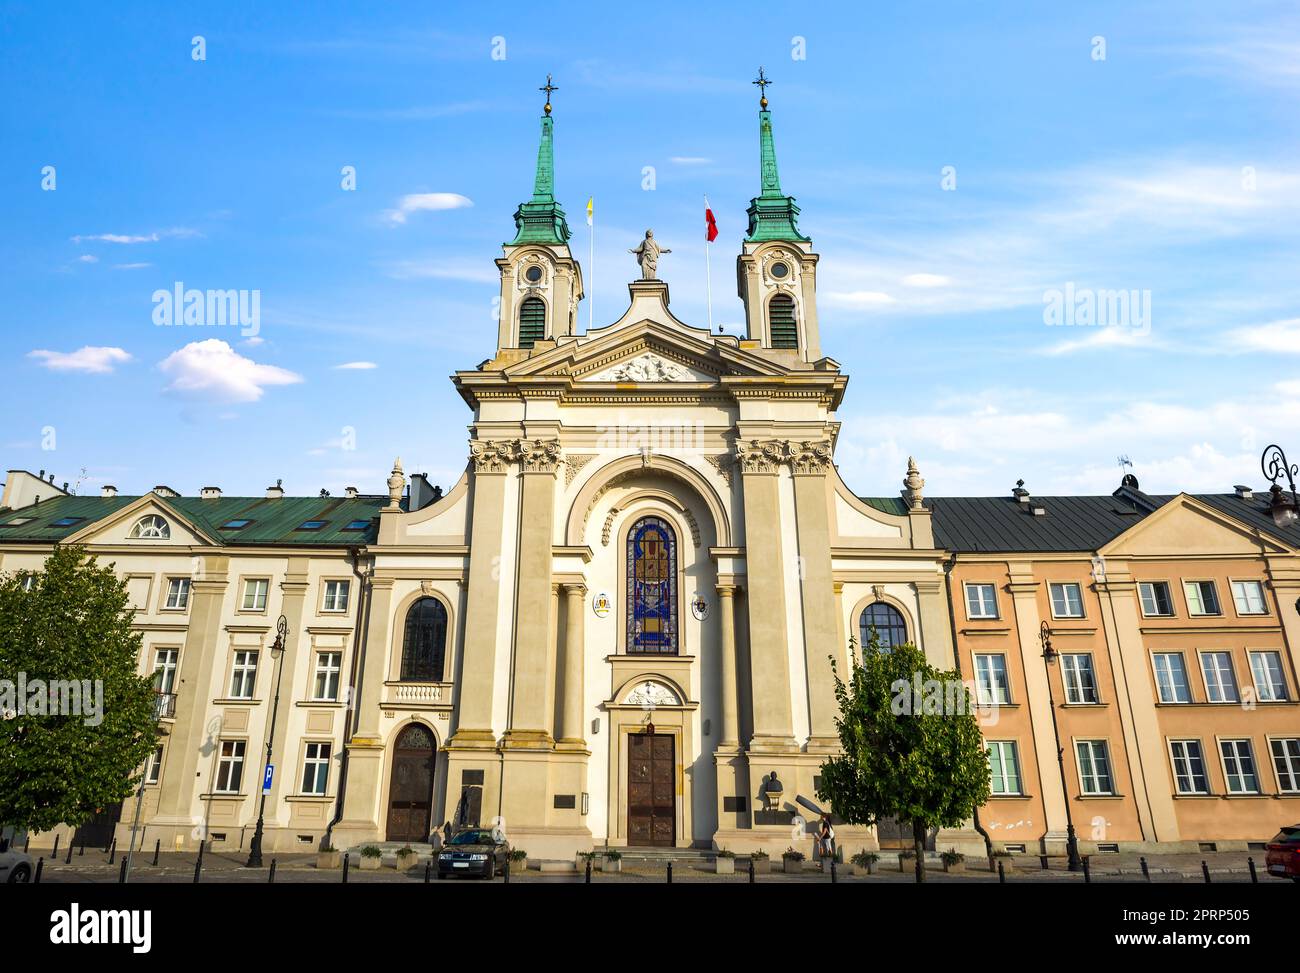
[
  {"x": 16, "y": 868},
  {"x": 474, "y": 851},
  {"x": 1283, "y": 859}
]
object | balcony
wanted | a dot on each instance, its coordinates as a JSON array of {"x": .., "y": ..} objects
[
  {"x": 417, "y": 695},
  {"x": 164, "y": 706}
]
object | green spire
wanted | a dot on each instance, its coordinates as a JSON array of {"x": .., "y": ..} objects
[
  {"x": 541, "y": 219},
  {"x": 772, "y": 214}
]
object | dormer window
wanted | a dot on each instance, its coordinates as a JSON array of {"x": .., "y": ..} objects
[
  {"x": 237, "y": 524},
  {"x": 311, "y": 525},
  {"x": 151, "y": 528}
]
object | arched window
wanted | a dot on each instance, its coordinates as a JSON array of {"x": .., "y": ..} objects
[
  {"x": 888, "y": 623},
  {"x": 425, "y": 641},
  {"x": 652, "y": 587},
  {"x": 152, "y": 528},
  {"x": 532, "y": 322},
  {"x": 781, "y": 323}
]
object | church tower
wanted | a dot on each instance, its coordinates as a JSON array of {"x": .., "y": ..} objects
[
  {"x": 776, "y": 271},
  {"x": 541, "y": 283}
]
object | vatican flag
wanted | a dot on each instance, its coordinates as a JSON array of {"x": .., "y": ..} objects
[{"x": 590, "y": 209}]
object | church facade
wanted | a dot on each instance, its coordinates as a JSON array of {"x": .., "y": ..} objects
[{"x": 618, "y": 626}]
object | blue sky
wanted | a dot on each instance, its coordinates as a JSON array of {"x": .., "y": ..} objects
[{"x": 1166, "y": 168}]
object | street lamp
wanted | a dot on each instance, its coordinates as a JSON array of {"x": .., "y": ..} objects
[
  {"x": 1049, "y": 659},
  {"x": 277, "y": 653},
  {"x": 1275, "y": 466}
]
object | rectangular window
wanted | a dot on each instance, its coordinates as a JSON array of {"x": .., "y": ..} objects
[
  {"x": 326, "y": 687},
  {"x": 1239, "y": 767},
  {"x": 1220, "y": 683},
  {"x": 1156, "y": 600},
  {"x": 244, "y": 675},
  {"x": 178, "y": 593},
  {"x": 1094, "y": 767},
  {"x": 1286, "y": 762},
  {"x": 153, "y": 770},
  {"x": 230, "y": 767},
  {"x": 316, "y": 768},
  {"x": 1080, "y": 685},
  {"x": 1004, "y": 765},
  {"x": 1189, "y": 767},
  {"x": 164, "y": 670},
  {"x": 255, "y": 594},
  {"x": 1270, "y": 684},
  {"x": 336, "y": 596},
  {"x": 1248, "y": 596},
  {"x": 1067, "y": 600},
  {"x": 1171, "y": 678},
  {"x": 1202, "y": 598},
  {"x": 981, "y": 601},
  {"x": 991, "y": 686}
]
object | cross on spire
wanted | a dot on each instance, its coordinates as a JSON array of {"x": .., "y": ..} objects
[
  {"x": 762, "y": 83},
  {"x": 548, "y": 88}
]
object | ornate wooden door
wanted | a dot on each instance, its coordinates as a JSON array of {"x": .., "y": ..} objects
[
  {"x": 651, "y": 790},
  {"x": 410, "y": 792}
]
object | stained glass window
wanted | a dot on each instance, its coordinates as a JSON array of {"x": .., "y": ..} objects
[
  {"x": 888, "y": 623},
  {"x": 652, "y": 587},
  {"x": 424, "y": 642}
]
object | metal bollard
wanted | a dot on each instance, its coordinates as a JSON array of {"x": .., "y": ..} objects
[
  {"x": 428, "y": 869},
  {"x": 1002, "y": 873},
  {"x": 670, "y": 873},
  {"x": 69, "y": 859},
  {"x": 1087, "y": 870},
  {"x": 27, "y": 844},
  {"x": 1205, "y": 870},
  {"x": 505, "y": 878},
  {"x": 834, "y": 878},
  {"x": 112, "y": 851},
  {"x": 1250, "y": 862},
  {"x": 55, "y": 853},
  {"x": 82, "y": 853},
  {"x": 1042, "y": 860},
  {"x": 587, "y": 880},
  {"x": 270, "y": 876},
  {"x": 346, "y": 861},
  {"x": 198, "y": 866},
  {"x": 751, "y": 871},
  {"x": 1146, "y": 872},
  {"x": 40, "y": 865},
  {"x": 157, "y": 847},
  {"x": 121, "y": 873}
]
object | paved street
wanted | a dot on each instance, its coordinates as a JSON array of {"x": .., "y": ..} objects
[{"x": 224, "y": 867}]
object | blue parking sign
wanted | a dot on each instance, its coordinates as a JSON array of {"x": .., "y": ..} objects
[{"x": 266, "y": 778}]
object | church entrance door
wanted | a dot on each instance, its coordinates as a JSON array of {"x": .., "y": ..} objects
[
  {"x": 410, "y": 791},
  {"x": 651, "y": 790}
]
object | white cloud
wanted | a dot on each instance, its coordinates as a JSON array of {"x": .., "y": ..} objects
[
  {"x": 88, "y": 258},
  {"x": 1276, "y": 336},
  {"x": 1101, "y": 338},
  {"x": 357, "y": 365},
  {"x": 858, "y": 299},
  {"x": 90, "y": 359},
  {"x": 135, "y": 266},
  {"x": 214, "y": 371},
  {"x": 926, "y": 280},
  {"x": 180, "y": 232},
  {"x": 690, "y": 160},
  {"x": 420, "y": 202},
  {"x": 436, "y": 268}
]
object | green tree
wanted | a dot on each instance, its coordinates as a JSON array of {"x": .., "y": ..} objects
[
  {"x": 911, "y": 745},
  {"x": 73, "y": 624}
]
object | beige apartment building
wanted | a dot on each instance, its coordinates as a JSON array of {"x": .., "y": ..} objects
[{"x": 615, "y": 628}]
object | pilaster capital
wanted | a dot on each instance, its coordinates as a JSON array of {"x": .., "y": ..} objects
[
  {"x": 493, "y": 455},
  {"x": 809, "y": 457},
  {"x": 760, "y": 456},
  {"x": 539, "y": 455},
  {"x": 726, "y": 590},
  {"x": 574, "y": 589}
]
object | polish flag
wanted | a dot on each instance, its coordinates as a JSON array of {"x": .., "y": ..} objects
[{"x": 712, "y": 233}]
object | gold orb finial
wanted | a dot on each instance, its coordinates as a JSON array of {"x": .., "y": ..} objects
[
  {"x": 548, "y": 88},
  {"x": 762, "y": 83}
]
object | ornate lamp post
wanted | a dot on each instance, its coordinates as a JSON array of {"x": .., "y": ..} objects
[
  {"x": 1274, "y": 464},
  {"x": 1049, "y": 659},
  {"x": 277, "y": 653}
]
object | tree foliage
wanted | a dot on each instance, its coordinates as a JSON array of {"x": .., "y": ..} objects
[
  {"x": 73, "y": 624},
  {"x": 925, "y": 765}
]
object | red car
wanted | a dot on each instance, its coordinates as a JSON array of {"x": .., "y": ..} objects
[{"x": 1284, "y": 854}]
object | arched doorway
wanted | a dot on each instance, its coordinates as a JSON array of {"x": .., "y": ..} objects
[{"x": 410, "y": 789}]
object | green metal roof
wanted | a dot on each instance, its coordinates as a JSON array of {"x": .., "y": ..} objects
[
  {"x": 772, "y": 214},
  {"x": 541, "y": 219},
  {"x": 272, "y": 521}
]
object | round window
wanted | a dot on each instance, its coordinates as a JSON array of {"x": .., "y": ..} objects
[
  {"x": 779, "y": 270},
  {"x": 533, "y": 274}
]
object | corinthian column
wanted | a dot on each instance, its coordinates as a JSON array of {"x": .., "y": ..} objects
[{"x": 727, "y": 627}]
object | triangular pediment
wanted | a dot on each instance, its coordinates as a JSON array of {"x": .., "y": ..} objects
[
  {"x": 1186, "y": 524},
  {"x": 117, "y": 527}
]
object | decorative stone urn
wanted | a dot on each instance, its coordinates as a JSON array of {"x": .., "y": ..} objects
[{"x": 407, "y": 859}]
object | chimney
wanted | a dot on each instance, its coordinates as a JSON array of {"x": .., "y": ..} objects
[
  {"x": 1020, "y": 493},
  {"x": 1037, "y": 509},
  {"x": 277, "y": 491},
  {"x": 165, "y": 491},
  {"x": 210, "y": 493},
  {"x": 1243, "y": 492},
  {"x": 108, "y": 490},
  {"x": 351, "y": 492}
]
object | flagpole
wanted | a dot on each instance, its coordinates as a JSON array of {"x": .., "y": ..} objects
[
  {"x": 591, "y": 262},
  {"x": 708, "y": 273}
]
